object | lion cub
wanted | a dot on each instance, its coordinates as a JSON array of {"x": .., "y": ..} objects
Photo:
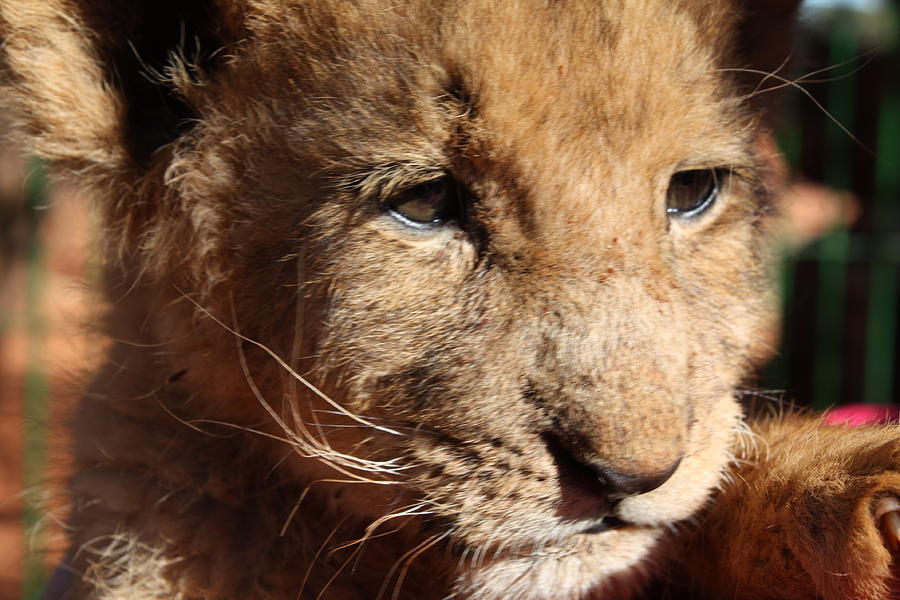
[{"x": 436, "y": 299}]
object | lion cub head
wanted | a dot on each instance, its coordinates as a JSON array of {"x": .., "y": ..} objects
[{"x": 501, "y": 260}]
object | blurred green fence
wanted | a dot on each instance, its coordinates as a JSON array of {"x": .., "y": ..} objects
[{"x": 840, "y": 338}]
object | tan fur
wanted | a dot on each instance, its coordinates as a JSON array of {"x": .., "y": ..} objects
[
  {"x": 295, "y": 370},
  {"x": 793, "y": 514}
]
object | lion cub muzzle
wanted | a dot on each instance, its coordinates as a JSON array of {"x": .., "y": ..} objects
[
  {"x": 602, "y": 456},
  {"x": 617, "y": 433}
]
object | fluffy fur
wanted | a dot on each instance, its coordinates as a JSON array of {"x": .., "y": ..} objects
[{"x": 307, "y": 397}]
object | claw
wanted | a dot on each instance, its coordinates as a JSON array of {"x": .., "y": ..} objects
[{"x": 887, "y": 514}]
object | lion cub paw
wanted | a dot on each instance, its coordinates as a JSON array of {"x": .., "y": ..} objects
[{"x": 850, "y": 538}]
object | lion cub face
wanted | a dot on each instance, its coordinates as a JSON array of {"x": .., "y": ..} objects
[
  {"x": 520, "y": 242},
  {"x": 538, "y": 233}
]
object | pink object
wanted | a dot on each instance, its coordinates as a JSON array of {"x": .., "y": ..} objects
[{"x": 852, "y": 415}]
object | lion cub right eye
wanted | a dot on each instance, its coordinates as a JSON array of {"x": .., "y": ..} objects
[
  {"x": 691, "y": 193},
  {"x": 426, "y": 205}
]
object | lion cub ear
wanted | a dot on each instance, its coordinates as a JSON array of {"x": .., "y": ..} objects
[{"x": 98, "y": 86}]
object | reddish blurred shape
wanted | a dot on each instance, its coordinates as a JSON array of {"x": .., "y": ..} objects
[{"x": 853, "y": 415}]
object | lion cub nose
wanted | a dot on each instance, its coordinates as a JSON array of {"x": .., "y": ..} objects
[
  {"x": 616, "y": 484},
  {"x": 598, "y": 477}
]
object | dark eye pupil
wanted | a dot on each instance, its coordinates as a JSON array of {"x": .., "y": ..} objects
[
  {"x": 691, "y": 193},
  {"x": 430, "y": 203}
]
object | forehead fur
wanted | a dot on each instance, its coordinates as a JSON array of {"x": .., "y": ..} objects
[
  {"x": 384, "y": 60},
  {"x": 598, "y": 78}
]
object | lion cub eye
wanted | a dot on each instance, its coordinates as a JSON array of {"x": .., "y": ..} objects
[
  {"x": 428, "y": 204},
  {"x": 691, "y": 193}
]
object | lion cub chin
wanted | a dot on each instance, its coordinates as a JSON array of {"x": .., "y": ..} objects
[{"x": 426, "y": 300}]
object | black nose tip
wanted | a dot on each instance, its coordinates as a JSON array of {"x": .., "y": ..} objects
[
  {"x": 617, "y": 484},
  {"x": 598, "y": 477}
]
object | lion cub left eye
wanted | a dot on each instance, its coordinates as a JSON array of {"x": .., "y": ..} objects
[
  {"x": 428, "y": 204},
  {"x": 692, "y": 193}
]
